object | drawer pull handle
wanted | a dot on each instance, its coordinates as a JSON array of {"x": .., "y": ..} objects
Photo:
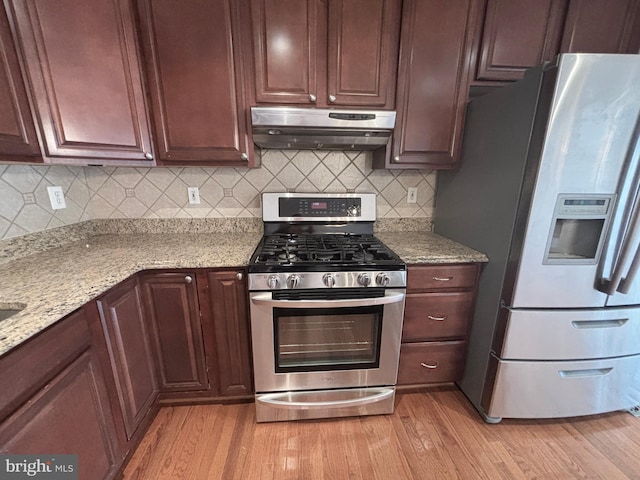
[
  {"x": 599, "y": 323},
  {"x": 437, "y": 319},
  {"x": 442, "y": 279},
  {"x": 426, "y": 365},
  {"x": 594, "y": 372}
]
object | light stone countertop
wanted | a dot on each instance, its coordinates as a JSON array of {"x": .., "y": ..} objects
[
  {"x": 429, "y": 247},
  {"x": 54, "y": 283}
]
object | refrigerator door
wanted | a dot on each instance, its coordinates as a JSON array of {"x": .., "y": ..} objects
[
  {"x": 583, "y": 177},
  {"x": 527, "y": 389},
  {"x": 622, "y": 259},
  {"x": 564, "y": 334}
]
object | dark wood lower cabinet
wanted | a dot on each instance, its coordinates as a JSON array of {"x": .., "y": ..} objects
[
  {"x": 437, "y": 317},
  {"x": 130, "y": 355},
  {"x": 173, "y": 311},
  {"x": 88, "y": 385},
  {"x": 61, "y": 406},
  {"x": 223, "y": 300}
]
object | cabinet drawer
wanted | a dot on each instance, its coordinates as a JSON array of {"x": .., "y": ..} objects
[
  {"x": 441, "y": 276},
  {"x": 431, "y": 362},
  {"x": 30, "y": 366},
  {"x": 429, "y": 316}
]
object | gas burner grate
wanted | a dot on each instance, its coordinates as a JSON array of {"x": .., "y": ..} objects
[{"x": 328, "y": 249}]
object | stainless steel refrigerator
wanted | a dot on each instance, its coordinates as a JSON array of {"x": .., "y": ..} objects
[{"x": 548, "y": 188}]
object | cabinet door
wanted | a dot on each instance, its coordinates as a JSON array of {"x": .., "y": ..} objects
[
  {"x": 174, "y": 316},
  {"x": 194, "y": 56},
  {"x": 227, "y": 326},
  {"x": 432, "y": 84},
  {"x": 518, "y": 34},
  {"x": 130, "y": 352},
  {"x": 362, "y": 52},
  {"x": 17, "y": 133},
  {"x": 287, "y": 38},
  {"x": 602, "y": 26},
  {"x": 83, "y": 66},
  {"x": 69, "y": 415}
]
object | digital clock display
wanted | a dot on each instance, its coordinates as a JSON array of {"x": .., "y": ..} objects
[{"x": 318, "y": 205}]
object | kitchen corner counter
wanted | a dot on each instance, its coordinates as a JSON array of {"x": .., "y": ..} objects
[
  {"x": 54, "y": 283},
  {"x": 429, "y": 247}
]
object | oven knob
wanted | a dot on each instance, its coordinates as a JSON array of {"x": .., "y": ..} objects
[
  {"x": 293, "y": 281},
  {"x": 364, "y": 279},
  {"x": 382, "y": 279},
  {"x": 329, "y": 280},
  {"x": 273, "y": 282}
]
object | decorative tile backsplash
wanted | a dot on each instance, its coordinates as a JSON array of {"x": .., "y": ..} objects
[{"x": 124, "y": 192}]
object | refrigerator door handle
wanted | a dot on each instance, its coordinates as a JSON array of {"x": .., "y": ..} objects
[
  {"x": 626, "y": 282},
  {"x": 610, "y": 286},
  {"x": 617, "y": 282}
]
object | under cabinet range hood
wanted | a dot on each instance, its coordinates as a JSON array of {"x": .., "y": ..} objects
[{"x": 321, "y": 128}]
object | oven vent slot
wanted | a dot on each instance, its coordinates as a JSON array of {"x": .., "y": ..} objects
[{"x": 344, "y": 294}]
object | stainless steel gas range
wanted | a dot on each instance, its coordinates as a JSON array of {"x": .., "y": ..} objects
[{"x": 327, "y": 302}]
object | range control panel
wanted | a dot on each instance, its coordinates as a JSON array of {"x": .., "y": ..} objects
[{"x": 319, "y": 207}]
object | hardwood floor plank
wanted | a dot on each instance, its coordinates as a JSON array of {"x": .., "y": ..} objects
[{"x": 433, "y": 434}]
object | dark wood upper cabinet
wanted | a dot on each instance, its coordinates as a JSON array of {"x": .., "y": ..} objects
[
  {"x": 172, "y": 308},
  {"x": 18, "y": 140},
  {"x": 130, "y": 353},
  {"x": 432, "y": 84},
  {"x": 223, "y": 303},
  {"x": 195, "y": 60},
  {"x": 516, "y": 35},
  {"x": 362, "y": 52},
  {"x": 326, "y": 53},
  {"x": 286, "y": 39},
  {"x": 82, "y": 62},
  {"x": 602, "y": 26}
]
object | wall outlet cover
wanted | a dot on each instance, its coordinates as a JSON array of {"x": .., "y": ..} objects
[
  {"x": 56, "y": 197},
  {"x": 412, "y": 195},
  {"x": 194, "y": 195}
]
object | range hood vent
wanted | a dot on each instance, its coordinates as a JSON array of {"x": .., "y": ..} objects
[{"x": 321, "y": 128}]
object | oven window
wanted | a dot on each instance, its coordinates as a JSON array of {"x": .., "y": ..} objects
[{"x": 327, "y": 339}]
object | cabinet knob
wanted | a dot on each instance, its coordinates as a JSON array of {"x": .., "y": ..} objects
[
  {"x": 442, "y": 279},
  {"x": 148, "y": 155},
  {"x": 431, "y": 366},
  {"x": 397, "y": 158},
  {"x": 332, "y": 98},
  {"x": 188, "y": 279},
  {"x": 312, "y": 97},
  {"x": 437, "y": 319},
  {"x": 239, "y": 275},
  {"x": 244, "y": 156}
]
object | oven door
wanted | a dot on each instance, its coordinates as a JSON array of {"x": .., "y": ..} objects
[{"x": 319, "y": 344}]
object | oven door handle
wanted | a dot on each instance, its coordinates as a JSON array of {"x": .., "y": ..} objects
[
  {"x": 289, "y": 400},
  {"x": 266, "y": 300}
]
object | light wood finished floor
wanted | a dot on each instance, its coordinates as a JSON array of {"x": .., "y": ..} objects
[{"x": 432, "y": 435}]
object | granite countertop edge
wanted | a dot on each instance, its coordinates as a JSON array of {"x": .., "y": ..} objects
[{"x": 51, "y": 284}]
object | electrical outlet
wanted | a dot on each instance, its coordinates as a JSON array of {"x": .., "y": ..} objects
[
  {"x": 194, "y": 195},
  {"x": 56, "y": 197},
  {"x": 412, "y": 195}
]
